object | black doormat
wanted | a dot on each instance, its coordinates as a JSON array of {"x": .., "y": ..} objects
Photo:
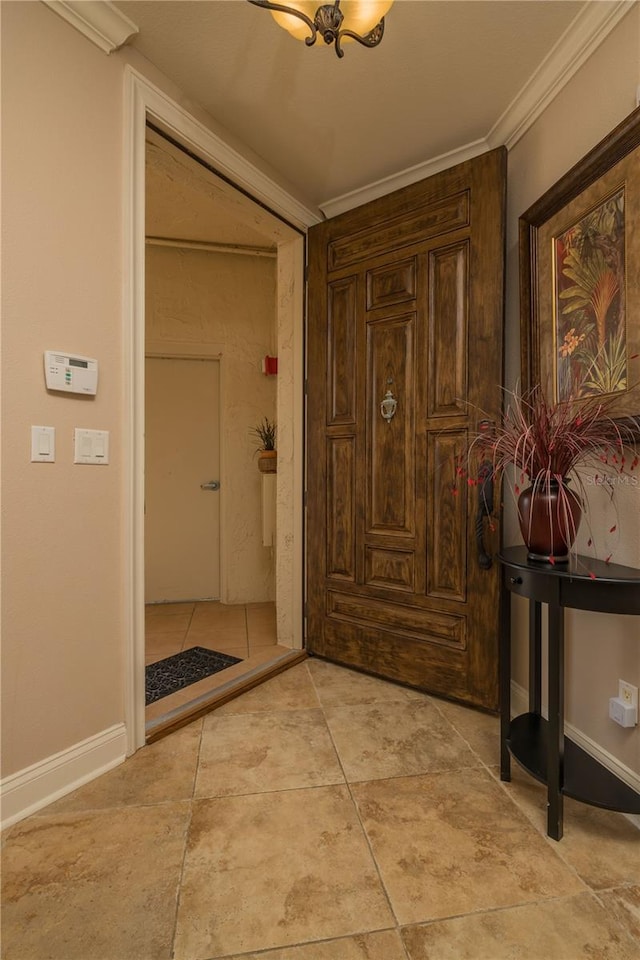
[{"x": 182, "y": 669}]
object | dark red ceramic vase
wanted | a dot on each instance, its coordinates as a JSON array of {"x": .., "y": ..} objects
[{"x": 549, "y": 515}]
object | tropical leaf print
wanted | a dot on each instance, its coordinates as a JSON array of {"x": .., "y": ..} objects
[{"x": 590, "y": 303}]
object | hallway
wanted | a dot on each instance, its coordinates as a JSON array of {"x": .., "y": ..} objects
[
  {"x": 246, "y": 631},
  {"x": 323, "y": 815}
]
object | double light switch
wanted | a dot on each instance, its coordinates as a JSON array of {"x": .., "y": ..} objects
[{"x": 91, "y": 446}]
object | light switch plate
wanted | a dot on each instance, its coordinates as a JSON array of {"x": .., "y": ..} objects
[
  {"x": 43, "y": 444},
  {"x": 91, "y": 446}
]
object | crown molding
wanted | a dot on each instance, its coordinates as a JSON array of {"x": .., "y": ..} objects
[
  {"x": 98, "y": 20},
  {"x": 587, "y": 31},
  {"x": 592, "y": 25},
  {"x": 108, "y": 28},
  {"x": 380, "y": 188},
  {"x": 153, "y": 103}
]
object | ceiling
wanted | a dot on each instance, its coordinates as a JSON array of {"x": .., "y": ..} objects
[
  {"x": 185, "y": 201},
  {"x": 442, "y": 82}
]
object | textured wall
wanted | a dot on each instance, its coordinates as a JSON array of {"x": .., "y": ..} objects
[
  {"x": 226, "y": 304},
  {"x": 290, "y": 445}
]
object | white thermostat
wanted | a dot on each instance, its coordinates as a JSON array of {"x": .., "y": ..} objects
[{"x": 70, "y": 372}]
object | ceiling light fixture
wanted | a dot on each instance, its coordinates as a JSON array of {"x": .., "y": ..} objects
[{"x": 361, "y": 20}]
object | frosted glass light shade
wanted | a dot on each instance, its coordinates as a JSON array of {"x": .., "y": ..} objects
[{"x": 361, "y": 16}]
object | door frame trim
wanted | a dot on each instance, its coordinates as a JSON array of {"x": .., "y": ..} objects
[{"x": 144, "y": 101}]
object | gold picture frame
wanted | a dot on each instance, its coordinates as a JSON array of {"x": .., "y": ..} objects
[{"x": 580, "y": 278}]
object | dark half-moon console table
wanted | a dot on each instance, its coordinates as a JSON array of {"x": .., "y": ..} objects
[{"x": 540, "y": 745}]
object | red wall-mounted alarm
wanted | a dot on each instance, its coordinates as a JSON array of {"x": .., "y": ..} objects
[{"x": 270, "y": 366}]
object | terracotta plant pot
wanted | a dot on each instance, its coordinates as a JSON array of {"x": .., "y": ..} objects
[
  {"x": 268, "y": 461},
  {"x": 549, "y": 515}
]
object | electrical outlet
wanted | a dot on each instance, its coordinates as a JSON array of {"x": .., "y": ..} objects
[{"x": 627, "y": 693}]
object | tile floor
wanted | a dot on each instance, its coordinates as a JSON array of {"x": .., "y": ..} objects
[
  {"x": 323, "y": 815},
  {"x": 247, "y": 631}
]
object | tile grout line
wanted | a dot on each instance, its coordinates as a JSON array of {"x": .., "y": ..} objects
[
  {"x": 555, "y": 847},
  {"x": 246, "y": 649},
  {"x": 186, "y": 840},
  {"x": 264, "y": 951},
  {"x": 596, "y": 897},
  {"x": 596, "y": 894},
  {"x": 319, "y": 709},
  {"x": 503, "y": 908},
  {"x": 188, "y": 626},
  {"x": 486, "y": 768},
  {"x": 503, "y": 787},
  {"x": 489, "y": 770},
  {"x": 357, "y": 811}
]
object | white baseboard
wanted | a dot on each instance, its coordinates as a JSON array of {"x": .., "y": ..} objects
[
  {"x": 520, "y": 704},
  {"x": 29, "y": 790}
]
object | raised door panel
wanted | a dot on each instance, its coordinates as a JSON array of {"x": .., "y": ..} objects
[
  {"x": 341, "y": 487},
  {"x": 391, "y": 443},
  {"x": 341, "y": 351},
  {"x": 396, "y": 655},
  {"x": 447, "y": 541},
  {"x": 448, "y": 337},
  {"x": 412, "y": 623},
  {"x": 433, "y": 219},
  {"x": 390, "y": 568},
  {"x": 390, "y": 284}
]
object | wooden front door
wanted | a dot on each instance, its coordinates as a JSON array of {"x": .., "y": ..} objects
[{"x": 405, "y": 296}]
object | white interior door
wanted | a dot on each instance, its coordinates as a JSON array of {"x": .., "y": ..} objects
[{"x": 182, "y": 452}]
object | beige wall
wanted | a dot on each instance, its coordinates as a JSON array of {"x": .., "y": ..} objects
[
  {"x": 62, "y": 627},
  {"x": 600, "y": 649},
  {"x": 226, "y": 304},
  {"x": 63, "y": 525}
]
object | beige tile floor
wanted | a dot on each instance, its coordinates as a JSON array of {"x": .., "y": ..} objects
[
  {"x": 323, "y": 815},
  {"x": 247, "y": 631}
]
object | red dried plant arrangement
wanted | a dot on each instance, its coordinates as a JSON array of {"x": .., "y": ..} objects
[{"x": 551, "y": 443}]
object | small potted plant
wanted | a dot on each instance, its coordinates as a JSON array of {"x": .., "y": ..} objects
[
  {"x": 265, "y": 433},
  {"x": 542, "y": 446}
]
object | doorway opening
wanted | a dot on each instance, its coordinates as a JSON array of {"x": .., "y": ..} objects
[
  {"x": 210, "y": 517},
  {"x": 278, "y": 241}
]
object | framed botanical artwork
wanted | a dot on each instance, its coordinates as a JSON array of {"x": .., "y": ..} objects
[{"x": 580, "y": 278}]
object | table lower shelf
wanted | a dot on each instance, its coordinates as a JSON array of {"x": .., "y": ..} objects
[{"x": 585, "y": 779}]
